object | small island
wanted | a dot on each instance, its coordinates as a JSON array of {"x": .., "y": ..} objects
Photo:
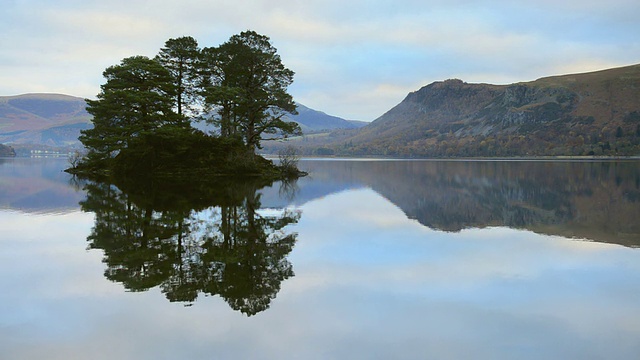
[
  {"x": 144, "y": 116},
  {"x": 7, "y": 151}
]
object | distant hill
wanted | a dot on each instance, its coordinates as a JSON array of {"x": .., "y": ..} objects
[
  {"x": 313, "y": 120},
  {"x": 594, "y": 113},
  {"x": 55, "y": 120},
  {"x": 44, "y": 119}
]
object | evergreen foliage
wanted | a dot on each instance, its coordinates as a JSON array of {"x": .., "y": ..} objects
[
  {"x": 137, "y": 98},
  {"x": 181, "y": 58},
  {"x": 142, "y": 117},
  {"x": 246, "y": 87}
]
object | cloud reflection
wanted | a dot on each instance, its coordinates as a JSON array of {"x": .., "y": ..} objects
[
  {"x": 369, "y": 283},
  {"x": 480, "y": 287}
]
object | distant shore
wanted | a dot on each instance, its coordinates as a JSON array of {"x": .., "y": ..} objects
[{"x": 515, "y": 158}]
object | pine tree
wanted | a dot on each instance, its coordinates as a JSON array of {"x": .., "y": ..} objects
[
  {"x": 181, "y": 58},
  {"x": 248, "y": 86},
  {"x": 136, "y": 98}
]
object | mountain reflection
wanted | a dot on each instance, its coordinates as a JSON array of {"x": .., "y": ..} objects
[
  {"x": 189, "y": 238},
  {"x": 594, "y": 200},
  {"x": 37, "y": 186}
]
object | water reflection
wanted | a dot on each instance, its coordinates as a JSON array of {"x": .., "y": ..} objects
[
  {"x": 598, "y": 201},
  {"x": 453, "y": 282},
  {"x": 37, "y": 186},
  {"x": 192, "y": 238}
]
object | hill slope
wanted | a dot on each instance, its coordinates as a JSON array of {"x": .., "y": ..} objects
[
  {"x": 313, "y": 120},
  {"x": 310, "y": 121},
  {"x": 581, "y": 114},
  {"x": 42, "y": 119},
  {"x": 55, "y": 120}
]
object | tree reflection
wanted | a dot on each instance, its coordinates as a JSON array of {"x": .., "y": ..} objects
[{"x": 193, "y": 238}]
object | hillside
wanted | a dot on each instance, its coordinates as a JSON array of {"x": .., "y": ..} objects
[
  {"x": 313, "y": 120},
  {"x": 594, "y": 113},
  {"x": 43, "y": 119},
  {"x": 55, "y": 120}
]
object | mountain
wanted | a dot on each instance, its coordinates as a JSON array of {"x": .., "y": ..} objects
[
  {"x": 43, "y": 119},
  {"x": 595, "y": 113},
  {"x": 310, "y": 121},
  {"x": 314, "y": 121},
  {"x": 55, "y": 120}
]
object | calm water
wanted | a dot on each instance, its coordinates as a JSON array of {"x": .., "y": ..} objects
[{"x": 360, "y": 260}]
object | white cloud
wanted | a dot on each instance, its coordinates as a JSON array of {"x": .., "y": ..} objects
[{"x": 345, "y": 54}]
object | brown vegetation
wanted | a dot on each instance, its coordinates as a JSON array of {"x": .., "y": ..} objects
[{"x": 583, "y": 114}]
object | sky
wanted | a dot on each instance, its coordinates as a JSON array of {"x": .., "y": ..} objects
[{"x": 353, "y": 59}]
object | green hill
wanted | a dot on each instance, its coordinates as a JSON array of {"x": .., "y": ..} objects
[{"x": 594, "y": 113}]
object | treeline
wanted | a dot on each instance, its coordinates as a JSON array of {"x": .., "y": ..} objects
[
  {"x": 499, "y": 145},
  {"x": 572, "y": 137},
  {"x": 569, "y": 136},
  {"x": 144, "y": 112}
]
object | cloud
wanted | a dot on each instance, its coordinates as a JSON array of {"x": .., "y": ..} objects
[{"x": 345, "y": 54}]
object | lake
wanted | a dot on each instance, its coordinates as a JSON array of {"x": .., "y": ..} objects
[{"x": 361, "y": 259}]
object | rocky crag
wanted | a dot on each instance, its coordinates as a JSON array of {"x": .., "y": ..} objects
[{"x": 582, "y": 114}]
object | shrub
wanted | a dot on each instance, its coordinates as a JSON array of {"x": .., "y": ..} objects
[{"x": 289, "y": 162}]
